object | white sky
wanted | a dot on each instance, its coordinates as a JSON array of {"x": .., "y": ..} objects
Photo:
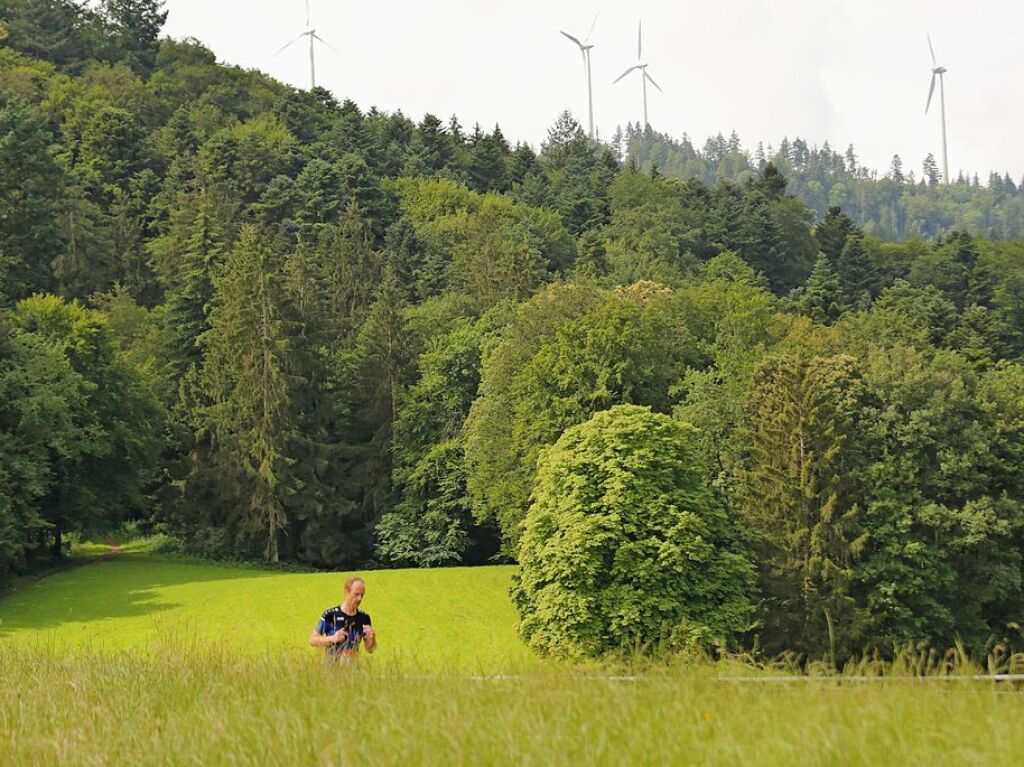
[{"x": 821, "y": 69}]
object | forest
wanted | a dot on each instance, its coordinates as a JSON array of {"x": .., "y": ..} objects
[{"x": 272, "y": 325}]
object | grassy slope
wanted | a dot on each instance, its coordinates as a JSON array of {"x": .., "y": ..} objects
[{"x": 460, "y": 617}]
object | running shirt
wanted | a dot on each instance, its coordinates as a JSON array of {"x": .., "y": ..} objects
[{"x": 334, "y": 620}]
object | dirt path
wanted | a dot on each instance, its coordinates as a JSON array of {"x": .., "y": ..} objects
[{"x": 62, "y": 568}]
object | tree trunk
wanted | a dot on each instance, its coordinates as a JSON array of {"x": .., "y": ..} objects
[{"x": 58, "y": 542}]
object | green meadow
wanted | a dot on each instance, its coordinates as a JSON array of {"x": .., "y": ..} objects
[
  {"x": 458, "y": 618},
  {"x": 148, "y": 659}
]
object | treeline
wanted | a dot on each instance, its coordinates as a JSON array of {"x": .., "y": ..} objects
[
  {"x": 277, "y": 327},
  {"x": 900, "y": 204}
]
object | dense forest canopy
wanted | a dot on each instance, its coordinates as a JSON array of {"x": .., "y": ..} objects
[
  {"x": 899, "y": 203},
  {"x": 274, "y": 326}
]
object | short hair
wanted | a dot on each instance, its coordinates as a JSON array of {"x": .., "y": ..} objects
[{"x": 351, "y": 581}]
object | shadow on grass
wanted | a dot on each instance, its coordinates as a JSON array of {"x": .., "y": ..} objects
[{"x": 123, "y": 586}]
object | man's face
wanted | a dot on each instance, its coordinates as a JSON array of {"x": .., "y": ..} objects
[{"x": 354, "y": 594}]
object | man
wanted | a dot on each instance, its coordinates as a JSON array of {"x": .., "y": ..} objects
[{"x": 341, "y": 629}]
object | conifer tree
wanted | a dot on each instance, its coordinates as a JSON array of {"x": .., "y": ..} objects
[
  {"x": 30, "y": 192},
  {"x": 797, "y": 498},
  {"x": 247, "y": 372},
  {"x": 405, "y": 253},
  {"x": 821, "y": 298},
  {"x": 857, "y": 273},
  {"x": 896, "y": 170},
  {"x": 188, "y": 303},
  {"x": 522, "y": 163},
  {"x": 592, "y": 256},
  {"x": 136, "y": 26},
  {"x": 930, "y": 170},
  {"x": 59, "y": 31},
  {"x": 432, "y": 149},
  {"x": 832, "y": 232},
  {"x": 488, "y": 163}
]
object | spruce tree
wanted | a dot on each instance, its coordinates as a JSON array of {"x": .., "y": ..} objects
[
  {"x": 896, "y": 170},
  {"x": 592, "y": 256},
  {"x": 798, "y": 499},
  {"x": 30, "y": 198},
  {"x": 188, "y": 302},
  {"x": 821, "y": 298},
  {"x": 857, "y": 273},
  {"x": 488, "y": 163},
  {"x": 432, "y": 149},
  {"x": 136, "y": 26},
  {"x": 832, "y": 232},
  {"x": 930, "y": 170},
  {"x": 247, "y": 373}
]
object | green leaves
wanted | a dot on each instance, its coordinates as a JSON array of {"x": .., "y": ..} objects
[
  {"x": 556, "y": 366},
  {"x": 624, "y": 547},
  {"x": 80, "y": 430}
]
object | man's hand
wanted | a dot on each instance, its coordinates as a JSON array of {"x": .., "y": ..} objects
[{"x": 370, "y": 637}]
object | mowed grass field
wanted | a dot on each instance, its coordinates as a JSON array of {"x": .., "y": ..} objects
[
  {"x": 457, "y": 618},
  {"x": 141, "y": 659}
]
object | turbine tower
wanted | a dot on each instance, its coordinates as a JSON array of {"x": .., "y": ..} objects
[
  {"x": 642, "y": 68},
  {"x": 313, "y": 38},
  {"x": 938, "y": 72},
  {"x": 585, "y": 47}
]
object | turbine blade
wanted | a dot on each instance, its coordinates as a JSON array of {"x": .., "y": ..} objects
[
  {"x": 934, "y": 63},
  {"x": 290, "y": 43},
  {"x": 639, "y": 39},
  {"x": 572, "y": 38},
  {"x": 317, "y": 37},
  {"x": 592, "y": 25},
  {"x": 931, "y": 91},
  {"x": 651, "y": 81},
  {"x": 307, "y": 14},
  {"x": 625, "y": 73}
]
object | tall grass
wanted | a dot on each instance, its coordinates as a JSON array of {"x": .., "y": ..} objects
[{"x": 190, "y": 704}]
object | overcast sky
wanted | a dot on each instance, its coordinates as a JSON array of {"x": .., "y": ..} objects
[{"x": 821, "y": 69}]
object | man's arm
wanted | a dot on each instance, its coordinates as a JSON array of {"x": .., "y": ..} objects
[
  {"x": 321, "y": 640},
  {"x": 320, "y": 637},
  {"x": 369, "y": 638}
]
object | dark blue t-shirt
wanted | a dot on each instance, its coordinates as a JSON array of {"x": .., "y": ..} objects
[{"x": 334, "y": 620}]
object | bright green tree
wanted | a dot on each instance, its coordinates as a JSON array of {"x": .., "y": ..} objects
[
  {"x": 624, "y": 547},
  {"x": 106, "y": 476},
  {"x": 632, "y": 347},
  {"x": 41, "y": 396},
  {"x": 821, "y": 298}
]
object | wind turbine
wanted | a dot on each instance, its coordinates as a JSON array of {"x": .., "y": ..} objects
[
  {"x": 642, "y": 68},
  {"x": 313, "y": 36},
  {"x": 938, "y": 71},
  {"x": 585, "y": 52}
]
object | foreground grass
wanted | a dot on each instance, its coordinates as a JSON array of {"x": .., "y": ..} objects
[
  {"x": 457, "y": 618},
  {"x": 181, "y": 705}
]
